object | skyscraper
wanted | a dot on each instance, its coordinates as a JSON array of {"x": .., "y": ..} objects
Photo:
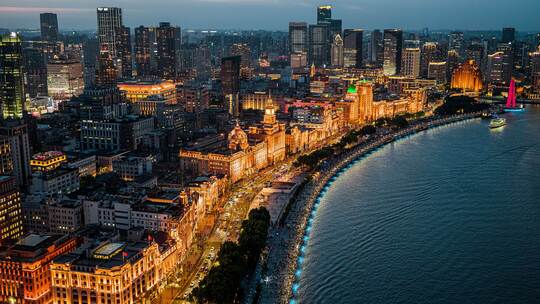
[
  {"x": 411, "y": 62},
  {"x": 376, "y": 48},
  {"x": 15, "y": 132},
  {"x": 124, "y": 52},
  {"x": 429, "y": 54},
  {"x": 168, "y": 40},
  {"x": 298, "y": 37},
  {"x": 65, "y": 78},
  {"x": 106, "y": 72},
  {"x": 535, "y": 70},
  {"x": 49, "y": 27},
  {"x": 508, "y": 35},
  {"x": 324, "y": 14},
  {"x": 507, "y": 50},
  {"x": 495, "y": 71},
  {"x": 352, "y": 48},
  {"x": 12, "y": 95},
  {"x": 109, "y": 20},
  {"x": 143, "y": 52},
  {"x": 455, "y": 42},
  {"x": 393, "y": 48},
  {"x": 11, "y": 226},
  {"x": 230, "y": 83},
  {"x": 35, "y": 70},
  {"x": 336, "y": 57},
  {"x": 318, "y": 45}
]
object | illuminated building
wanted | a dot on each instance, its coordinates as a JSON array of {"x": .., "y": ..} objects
[
  {"x": 194, "y": 98},
  {"x": 452, "y": 63},
  {"x": 412, "y": 102},
  {"x": 24, "y": 268},
  {"x": 109, "y": 20},
  {"x": 350, "y": 105},
  {"x": 393, "y": 44},
  {"x": 272, "y": 132},
  {"x": 106, "y": 73},
  {"x": 365, "y": 103},
  {"x": 318, "y": 52},
  {"x": 143, "y": 50},
  {"x": 230, "y": 83},
  {"x": 141, "y": 90},
  {"x": 49, "y": 27},
  {"x": 399, "y": 84},
  {"x": 495, "y": 69},
  {"x": 114, "y": 135},
  {"x": 324, "y": 14},
  {"x": 376, "y": 48},
  {"x": 437, "y": 71},
  {"x": 411, "y": 62},
  {"x": 430, "y": 53},
  {"x": 352, "y": 48},
  {"x": 58, "y": 181},
  {"x": 115, "y": 38},
  {"x": 119, "y": 273},
  {"x": 35, "y": 71},
  {"x": 11, "y": 76},
  {"x": 336, "y": 52},
  {"x": 242, "y": 50},
  {"x": 456, "y": 42},
  {"x": 11, "y": 227},
  {"x": 476, "y": 52},
  {"x": 535, "y": 70},
  {"x": 467, "y": 77},
  {"x": 299, "y": 60},
  {"x": 132, "y": 166},
  {"x": 168, "y": 39},
  {"x": 298, "y": 39},
  {"x": 65, "y": 79},
  {"x": 507, "y": 61},
  {"x": 6, "y": 162},
  {"x": 124, "y": 52},
  {"x": 255, "y": 101},
  {"x": 16, "y": 133},
  {"x": 47, "y": 161}
]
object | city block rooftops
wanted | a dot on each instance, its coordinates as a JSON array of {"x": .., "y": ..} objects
[{"x": 32, "y": 247}]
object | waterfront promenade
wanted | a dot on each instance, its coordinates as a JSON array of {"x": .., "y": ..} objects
[{"x": 286, "y": 244}]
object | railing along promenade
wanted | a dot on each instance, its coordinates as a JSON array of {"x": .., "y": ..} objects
[{"x": 289, "y": 242}]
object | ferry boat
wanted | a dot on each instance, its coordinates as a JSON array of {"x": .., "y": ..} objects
[{"x": 497, "y": 122}]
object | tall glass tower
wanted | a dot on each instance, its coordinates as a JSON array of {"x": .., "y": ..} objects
[{"x": 12, "y": 95}]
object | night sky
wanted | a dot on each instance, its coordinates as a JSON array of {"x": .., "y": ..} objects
[{"x": 275, "y": 14}]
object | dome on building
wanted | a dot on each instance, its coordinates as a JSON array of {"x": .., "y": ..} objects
[{"x": 237, "y": 138}]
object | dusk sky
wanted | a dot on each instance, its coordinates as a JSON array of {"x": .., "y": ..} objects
[{"x": 275, "y": 14}]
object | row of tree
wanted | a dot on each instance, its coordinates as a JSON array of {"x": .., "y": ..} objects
[
  {"x": 460, "y": 105},
  {"x": 235, "y": 261}
]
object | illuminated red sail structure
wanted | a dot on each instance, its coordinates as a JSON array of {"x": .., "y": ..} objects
[{"x": 511, "y": 100}]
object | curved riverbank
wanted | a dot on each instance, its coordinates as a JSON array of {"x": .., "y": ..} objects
[{"x": 285, "y": 263}]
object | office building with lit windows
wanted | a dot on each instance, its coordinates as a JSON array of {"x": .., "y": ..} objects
[
  {"x": 393, "y": 49},
  {"x": 65, "y": 78},
  {"x": 25, "y": 276},
  {"x": 11, "y": 76},
  {"x": 11, "y": 227}
]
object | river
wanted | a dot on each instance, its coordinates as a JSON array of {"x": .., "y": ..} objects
[{"x": 449, "y": 215}]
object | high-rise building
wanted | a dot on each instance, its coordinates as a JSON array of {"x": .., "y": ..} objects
[
  {"x": 124, "y": 52},
  {"x": 376, "y": 48},
  {"x": 336, "y": 57},
  {"x": 476, "y": 52},
  {"x": 168, "y": 41},
  {"x": 230, "y": 83},
  {"x": 452, "y": 62},
  {"x": 298, "y": 37},
  {"x": 106, "y": 72},
  {"x": 393, "y": 48},
  {"x": 116, "y": 38},
  {"x": 318, "y": 45},
  {"x": 11, "y": 226},
  {"x": 143, "y": 50},
  {"x": 456, "y": 42},
  {"x": 35, "y": 71},
  {"x": 467, "y": 77},
  {"x": 507, "y": 49},
  {"x": 335, "y": 28},
  {"x": 535, "y": 70},
  {"x": 12, "y": 96},
  {"x": 15, "y": 132},
  {"x": 352, "y": 48},
  {"x": 324, "y": 14},
  {"x": 508, "y": 35},
  {"x": 411, "y": 62},
  {"x": 109, "y": 20},
  {"x": 429, "y": 54},
  {"x": 49, "y": 27},
  {"x": 437, "y": 71},
  {"x": 244, "y": 51},
  {"x": 65, "y": 78},
  {"x": 495, "y": 68}
]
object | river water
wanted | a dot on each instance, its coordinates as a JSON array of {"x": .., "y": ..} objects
[{"x": 450, "y": 215}]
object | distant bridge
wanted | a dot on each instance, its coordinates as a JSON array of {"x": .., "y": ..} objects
[{"x": 502, "y": 100}]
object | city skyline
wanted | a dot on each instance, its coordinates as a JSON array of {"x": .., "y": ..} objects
[{"x": 222, "y": 14}]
